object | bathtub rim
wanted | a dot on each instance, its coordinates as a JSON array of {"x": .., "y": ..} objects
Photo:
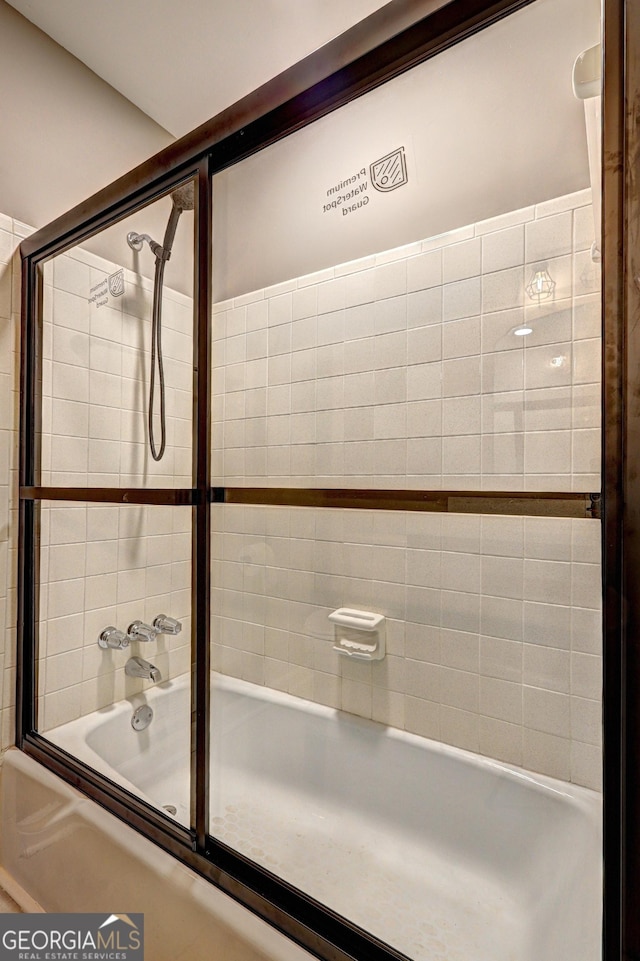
[{"x": 586, "y": 799}]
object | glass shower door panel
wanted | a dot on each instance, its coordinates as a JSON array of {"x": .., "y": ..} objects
[
  {"x": 106, "y": 336},
  {"x": 407, "y": 298},
  {"x": 409, "y": 792},
  {"x": 115, "y": 644},
  {"x": 403, "y": 301}
]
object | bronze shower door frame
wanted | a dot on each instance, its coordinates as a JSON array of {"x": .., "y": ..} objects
[{"x": 391, "y": 41}]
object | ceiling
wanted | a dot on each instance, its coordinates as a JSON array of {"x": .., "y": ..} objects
[{"x": 182, "y": 63}]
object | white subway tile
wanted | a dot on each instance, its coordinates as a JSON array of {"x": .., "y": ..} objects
[
  {"x": 502, "y": 371},
  {"x": 586, "y": 720},
  {"x": 546, "y": 711},
  {"x": 501, "y": 617},
  {"x": 390, "y": 350},
  {"x": 460, "y": 611},
  {"x": 424, "y": 271},
  {"x": 503, "y": 454},
  {"x": 586, "y": 274},
  {"x": 565, "y": 202},
  {"x": 66, "y": 597},
  {"x": 547, "y": 625},
  {"x": 422, "y": 716},
  {"x": 548, "y": 581},
  {"x": 461, "y": 415},
  {"x": 461, "y": 261},
  {"x": 551, "y": 323},
  {"x": 356, "y": 698},
  {"x": 461, "y": 299},
  {"x": 502, "y": 577},
  {"x": 497, "y": 330},
  {"x": 502, "y": 249},
  {"x": 459, "y": 728},
  {"x": 547, "y": 754},
  {"x": 449, "y": 237},
  {"x": 390, "y": 387},
  {"x": 546, "y": 667},
  {"x": 460, "y": 650},
  {"x": 547, "y": 452},
  {"x": 461, "y": 376},
  {"x": 504, "y": 221},
  {"x": 503, "y": 290},
  {"x": 461, "y": 455},
  {"x": 587, "y": 317},
  {"x": 359, "y": 288},
  {"x": 586, "y": 675},
  {"x": 390, "y": 315},
  {"x": 460, "y": 572},
  {"x": 500, "y": 740},
  {"x": 72, "y": 276},
  {"x": 548, "y": 409},
  {"x": 501, "y": 699},
  {"x": 586, "y": 765},
  {"x": 548, "y": 237},
  {"x": 390, "y": 280},
  {"x": 387, "y": 707},
  {"x": 424, "y": 381},
  {"x": 501, "y": 658},
  {"x": 461, "y": 338},
  {"x": 424, "y": 307}
]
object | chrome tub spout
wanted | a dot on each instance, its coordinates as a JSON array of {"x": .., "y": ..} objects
[{"x": 138, "y": 667}]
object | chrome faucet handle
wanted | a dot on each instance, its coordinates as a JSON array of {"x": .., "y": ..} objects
[
  {"x": 111, "y": 637},
  {"x": 139, "y": 631},
  {"x": 164, "y": 624},
  {"x": 138, "y": 667}
]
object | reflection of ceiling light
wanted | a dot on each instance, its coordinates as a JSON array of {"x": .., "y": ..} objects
[
  {"x": 541, "y": 286},
  {"x": 523, "y": 330}
]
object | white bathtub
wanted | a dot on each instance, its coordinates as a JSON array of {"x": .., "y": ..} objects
[{"x": 435, "y": 850}]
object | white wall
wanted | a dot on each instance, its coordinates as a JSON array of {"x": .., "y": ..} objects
[{"x": 65, "y": 132}]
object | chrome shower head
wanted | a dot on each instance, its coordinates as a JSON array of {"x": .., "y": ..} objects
[{"x": 183, "y": 198}]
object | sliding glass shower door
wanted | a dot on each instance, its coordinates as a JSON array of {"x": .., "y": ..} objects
[{"x": 406, "y": 428}]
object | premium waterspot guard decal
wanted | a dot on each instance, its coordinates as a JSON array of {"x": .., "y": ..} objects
[{"x": 352, "y": 193}]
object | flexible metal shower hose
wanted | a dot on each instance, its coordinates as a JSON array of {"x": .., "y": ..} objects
[{"x": 157, "y": 360}]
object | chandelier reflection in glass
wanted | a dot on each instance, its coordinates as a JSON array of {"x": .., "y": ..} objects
[{"x": 541, "y": 286}]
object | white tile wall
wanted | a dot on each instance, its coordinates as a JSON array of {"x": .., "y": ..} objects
[
  {"x": 367, "y": 374},
  {"x": 96, "y": 379},
  {"x": 10, "y": 236},
  {"x": 112, "y": 564},
  {"x": 403, "y": 371},
  {"x": 361, "y": 350},
  {"x": 102, "y": 566},
  {"x": 493, "y": 623}
]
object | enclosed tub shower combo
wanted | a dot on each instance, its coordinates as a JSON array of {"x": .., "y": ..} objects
[{"x": 310, "y": 494}]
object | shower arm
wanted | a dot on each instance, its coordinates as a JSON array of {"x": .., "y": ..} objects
[{"x": 136, "y": 241}]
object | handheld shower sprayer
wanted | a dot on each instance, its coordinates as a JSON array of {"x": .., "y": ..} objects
[{"x": 183, "y": 198}]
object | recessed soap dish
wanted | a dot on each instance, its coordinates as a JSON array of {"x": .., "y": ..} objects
[{"x": 359, "y": 634}]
